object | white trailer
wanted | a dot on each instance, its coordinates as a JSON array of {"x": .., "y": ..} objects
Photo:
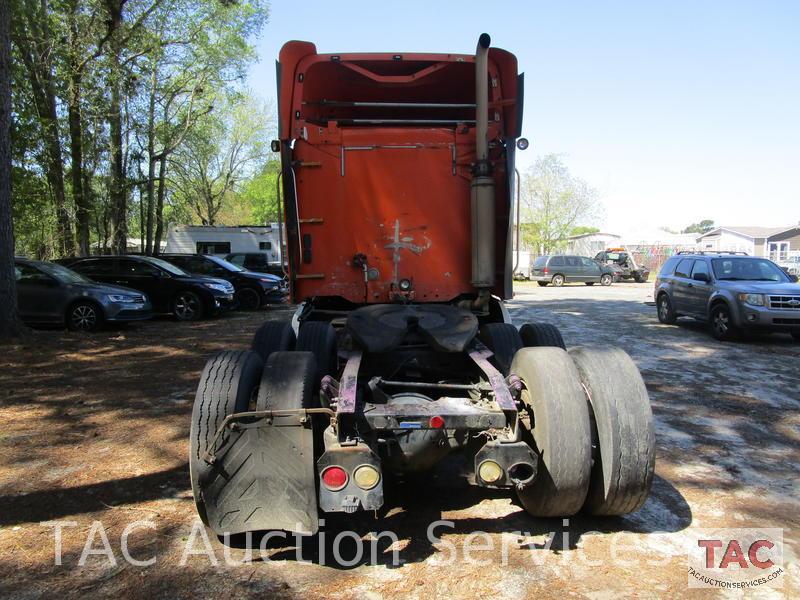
[
  {"x": 222, "y": 240},
  {"x": 522, "y": 264}
]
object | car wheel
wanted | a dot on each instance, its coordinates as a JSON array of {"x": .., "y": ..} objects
[
  {"x": 249, "y": 299},
  {"x": 187, "y": 306},
  {"x": 590, "y": 283},
  {"x": 560, "y": 432},
  {"x": 84, "y": 316},
  {"x": 665, "y": 312},
  {"x": 558, "y": 280},
  {"x": 542, "y": 283},
  {"x": 722, "y": 325},
  {"x": 623, "y": 437},
  {"x": 606, "y": 280}
]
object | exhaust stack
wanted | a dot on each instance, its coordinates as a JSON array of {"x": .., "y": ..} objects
[{"x": 482, "y": 188}]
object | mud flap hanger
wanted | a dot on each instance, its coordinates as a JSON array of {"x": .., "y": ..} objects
[
  {"x": 480, "y": 355},
  {"x": 234, "y": 422}
]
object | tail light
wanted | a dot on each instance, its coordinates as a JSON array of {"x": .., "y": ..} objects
[
  {"x": 334, "y": 478},
  {"x": 436, "y": 422},
  {"x": 545, "y": 270},
  {"x": 366, "y": 477}
]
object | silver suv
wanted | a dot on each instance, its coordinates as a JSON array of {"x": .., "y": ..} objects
[{"x": 733, "y": 292}]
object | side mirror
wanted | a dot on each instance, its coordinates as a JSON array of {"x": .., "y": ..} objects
[
  {"x": 522, "y": 143},
  {"x": 701, "y": 277},
  {"x": 793, "y": 278},
  {"x": 275, "y": 145}
]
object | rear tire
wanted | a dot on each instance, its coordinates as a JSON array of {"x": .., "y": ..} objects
[
  {"x": 558, "y": 280},
  {"x": 84, "y": 316},
  {"x": 273, "y": 336},
  {"x": 288, "y": 382},
  {"x": 504, "y": 340},
  {"x": 541, "y": 334},
  {"x": 227, "y": 385},
  {"x": 590, "y": 283},
  {"x": 543, "y": 283},
  {"x": 606, "y": 280},
  {"x": 319, "y": 338},
  {"x": 624, "y": 445},
  {"x": 561, "y": 433}
]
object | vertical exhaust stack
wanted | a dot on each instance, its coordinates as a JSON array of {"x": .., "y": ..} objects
[{"x": 482, "y": 187}]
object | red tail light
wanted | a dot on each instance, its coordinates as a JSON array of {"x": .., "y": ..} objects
[
  {"x": 545, "y": 270},
  {"x": 436, "y": 422},
  {"x": 334, "y": 478}
]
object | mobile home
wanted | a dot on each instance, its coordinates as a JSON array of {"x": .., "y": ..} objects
[{"x": 222, "y": 240}]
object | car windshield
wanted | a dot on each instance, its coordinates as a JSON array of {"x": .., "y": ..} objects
[
  {"x": 167, "y": 266},
  {"x": 747, "y": 269},
  {"x": 224, "y": 263},
  {"x": 63, "y": 274}
]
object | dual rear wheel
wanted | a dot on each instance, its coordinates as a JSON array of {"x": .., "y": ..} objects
[{"x": 591, "y": 422}]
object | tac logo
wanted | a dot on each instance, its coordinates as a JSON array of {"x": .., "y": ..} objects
[{"x": 736, "y": 558}]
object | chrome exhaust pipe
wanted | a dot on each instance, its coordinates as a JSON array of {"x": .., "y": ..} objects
[{"x": 482, "y": 188}]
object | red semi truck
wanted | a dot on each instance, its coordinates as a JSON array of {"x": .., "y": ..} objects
[{"x": 397, "y": 186}]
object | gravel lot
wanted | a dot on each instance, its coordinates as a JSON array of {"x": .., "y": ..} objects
[{"x": 96, "y": 429}]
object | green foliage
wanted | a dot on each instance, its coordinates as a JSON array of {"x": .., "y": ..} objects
[
  {"x": 172, "y": 63},
  {"x": 554, "y": 204},
  {"x": 703, "y": 226},
  {"x": 583, "y": 230},
  {"x": 261, "y": 193}
]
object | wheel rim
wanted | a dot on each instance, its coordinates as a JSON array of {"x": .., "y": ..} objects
[
  {"x": 605, "y": 280},
  {"x": 84, "y": 317},
  {"x": 663, "y": 308},
  {"x": 558, "y": 281},
  {"x": 249, "y": 299},
  {"x": 721, "y": 322},
  {"x": 186, "y": 306}
]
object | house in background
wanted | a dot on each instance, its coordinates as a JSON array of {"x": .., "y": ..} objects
[{"x": 776, "y": 243}]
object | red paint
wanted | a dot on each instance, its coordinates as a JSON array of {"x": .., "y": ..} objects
[{"x": 406, "y": 209}]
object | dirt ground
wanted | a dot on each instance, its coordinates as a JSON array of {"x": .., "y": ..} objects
[{"x": 95, "y": 436}]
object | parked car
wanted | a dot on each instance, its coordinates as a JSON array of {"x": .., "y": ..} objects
[
  {"x": 624, "y": 264},
  {"x": 170, "y": 288},
  {"x": 51, "y": 293},
  {"x": 253, "y": 290},
  {"x": 559, "y": 269},
  {"x": 732, "y": 292},
  {"x": 255, "y": 261}
]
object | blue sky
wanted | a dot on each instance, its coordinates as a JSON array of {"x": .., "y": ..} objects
[{"x": 673, "y": 111}]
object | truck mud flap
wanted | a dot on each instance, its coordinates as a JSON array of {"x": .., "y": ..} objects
[{"x": 262, "y": 477}]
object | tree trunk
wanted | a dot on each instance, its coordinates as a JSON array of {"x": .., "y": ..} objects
[
  {"x": 53, "y": 141},
  {"x": 82, "y": 206},
  {"x": 10, "y": 324},
  {"x": 162, "y": 190},
  {"x": 117, "y": 191},
  {"x": 151, "y": 160}
]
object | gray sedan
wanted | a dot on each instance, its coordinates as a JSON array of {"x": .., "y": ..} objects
[{"x": 48, "y": 293}]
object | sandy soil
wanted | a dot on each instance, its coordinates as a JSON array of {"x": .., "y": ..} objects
[{"x": 96, "y": 428}]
